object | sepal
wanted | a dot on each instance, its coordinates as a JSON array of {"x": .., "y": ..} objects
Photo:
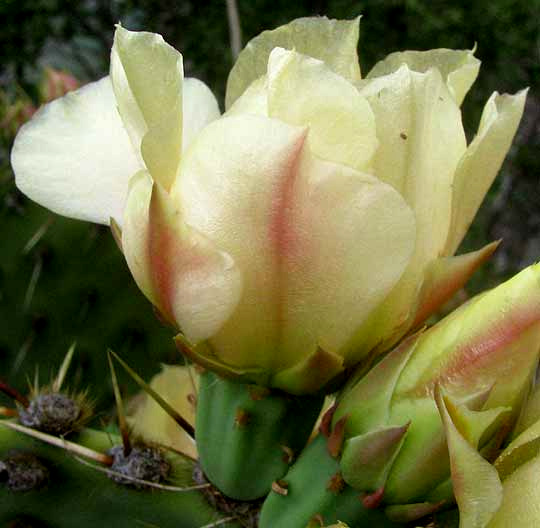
[{"x": 368, "y": 458}]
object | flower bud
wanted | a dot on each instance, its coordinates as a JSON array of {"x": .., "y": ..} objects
[{"x": 473, "y": 368}]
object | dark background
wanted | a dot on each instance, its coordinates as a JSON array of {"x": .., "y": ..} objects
[{"x": 72, "y": 284}]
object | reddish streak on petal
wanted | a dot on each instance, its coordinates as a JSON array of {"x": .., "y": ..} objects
[
  {"x": 481, "y": 351},
  {"x": 282, "y": 232},
  {"x": 169, "y": 257}
]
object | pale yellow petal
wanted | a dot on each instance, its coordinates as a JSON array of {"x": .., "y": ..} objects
[
  {"x": 459, "y": 68},
  {"x": 421, "y": 141},
  {"x": 147, "y": 76},
  {"x": 200, "y": 107},
  {"x": 332, "y": 41},
  {"x": 482, "y": 160},
  {"x": 178, "y": 387},
  {"x": 253, "y": 101},
  {"x": 304, "y": 91},
  {"x": 74, "y": 156}
]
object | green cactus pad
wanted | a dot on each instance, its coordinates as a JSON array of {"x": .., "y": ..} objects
[
  {"x": 79, "y": 495},
  {"x": 312, "y": 488},
  {"x": 247, "y": 435}
]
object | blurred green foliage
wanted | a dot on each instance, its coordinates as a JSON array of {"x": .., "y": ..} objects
[{"x": 62, "y": 280}]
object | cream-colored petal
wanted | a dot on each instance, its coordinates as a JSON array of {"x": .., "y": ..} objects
[
  {"x": 74, "y": 156},
  {"x": 200, "y": 107},
  {"x": 311, "y": 238},
  {"x": 135, "y": 233},
  {"x": 482, "y": 160},
  {"x": 459, "y": 68},
  {"x": 421, "y": 141},
  {"x": 178, "y": 387},
  {"x": 304, "y": 91},
  {"x": 191, "y": 282},
  {"x": 332, "y": 41},
  {"x": 147, "y": 76},
  {"x": 253, "y": 101}
]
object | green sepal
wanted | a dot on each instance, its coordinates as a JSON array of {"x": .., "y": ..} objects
[
  {"x": 477, "y": 426},
  {"x": 477, "y": 487},
  {"x": 368, "y": 458},
  {"x": 367, "y": 400}
]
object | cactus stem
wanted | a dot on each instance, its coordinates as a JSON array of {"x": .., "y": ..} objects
[
  {"x": 122, "y": 422},
  {"x": 13, "y": 394},
  {"x": 62, "y": 371},
  {"x": 60, "y": 442},
  {"x": 180, "y": 420},
  {"x": 147, "y": 483}
]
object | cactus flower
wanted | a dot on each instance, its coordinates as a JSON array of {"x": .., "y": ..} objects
[
  {"x": 311, "y": 224},
  {"x": 425, "y": 411}
]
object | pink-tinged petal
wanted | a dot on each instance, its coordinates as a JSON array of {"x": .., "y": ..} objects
[
  {"x": 445, "y": 276},
  {"x": 74, "y": 156},
  {"x": 482, "y": 160},
  {"x": 477, "y": 487},
  {"x": 310, "y": 237},
  {"x": 185, "y": 276},
  {"x": 304, "y": 91},
  {"x": 490, "y": 342},
  {"x": 147, "y": 76},
  {"x": 332, "y": 41}
]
